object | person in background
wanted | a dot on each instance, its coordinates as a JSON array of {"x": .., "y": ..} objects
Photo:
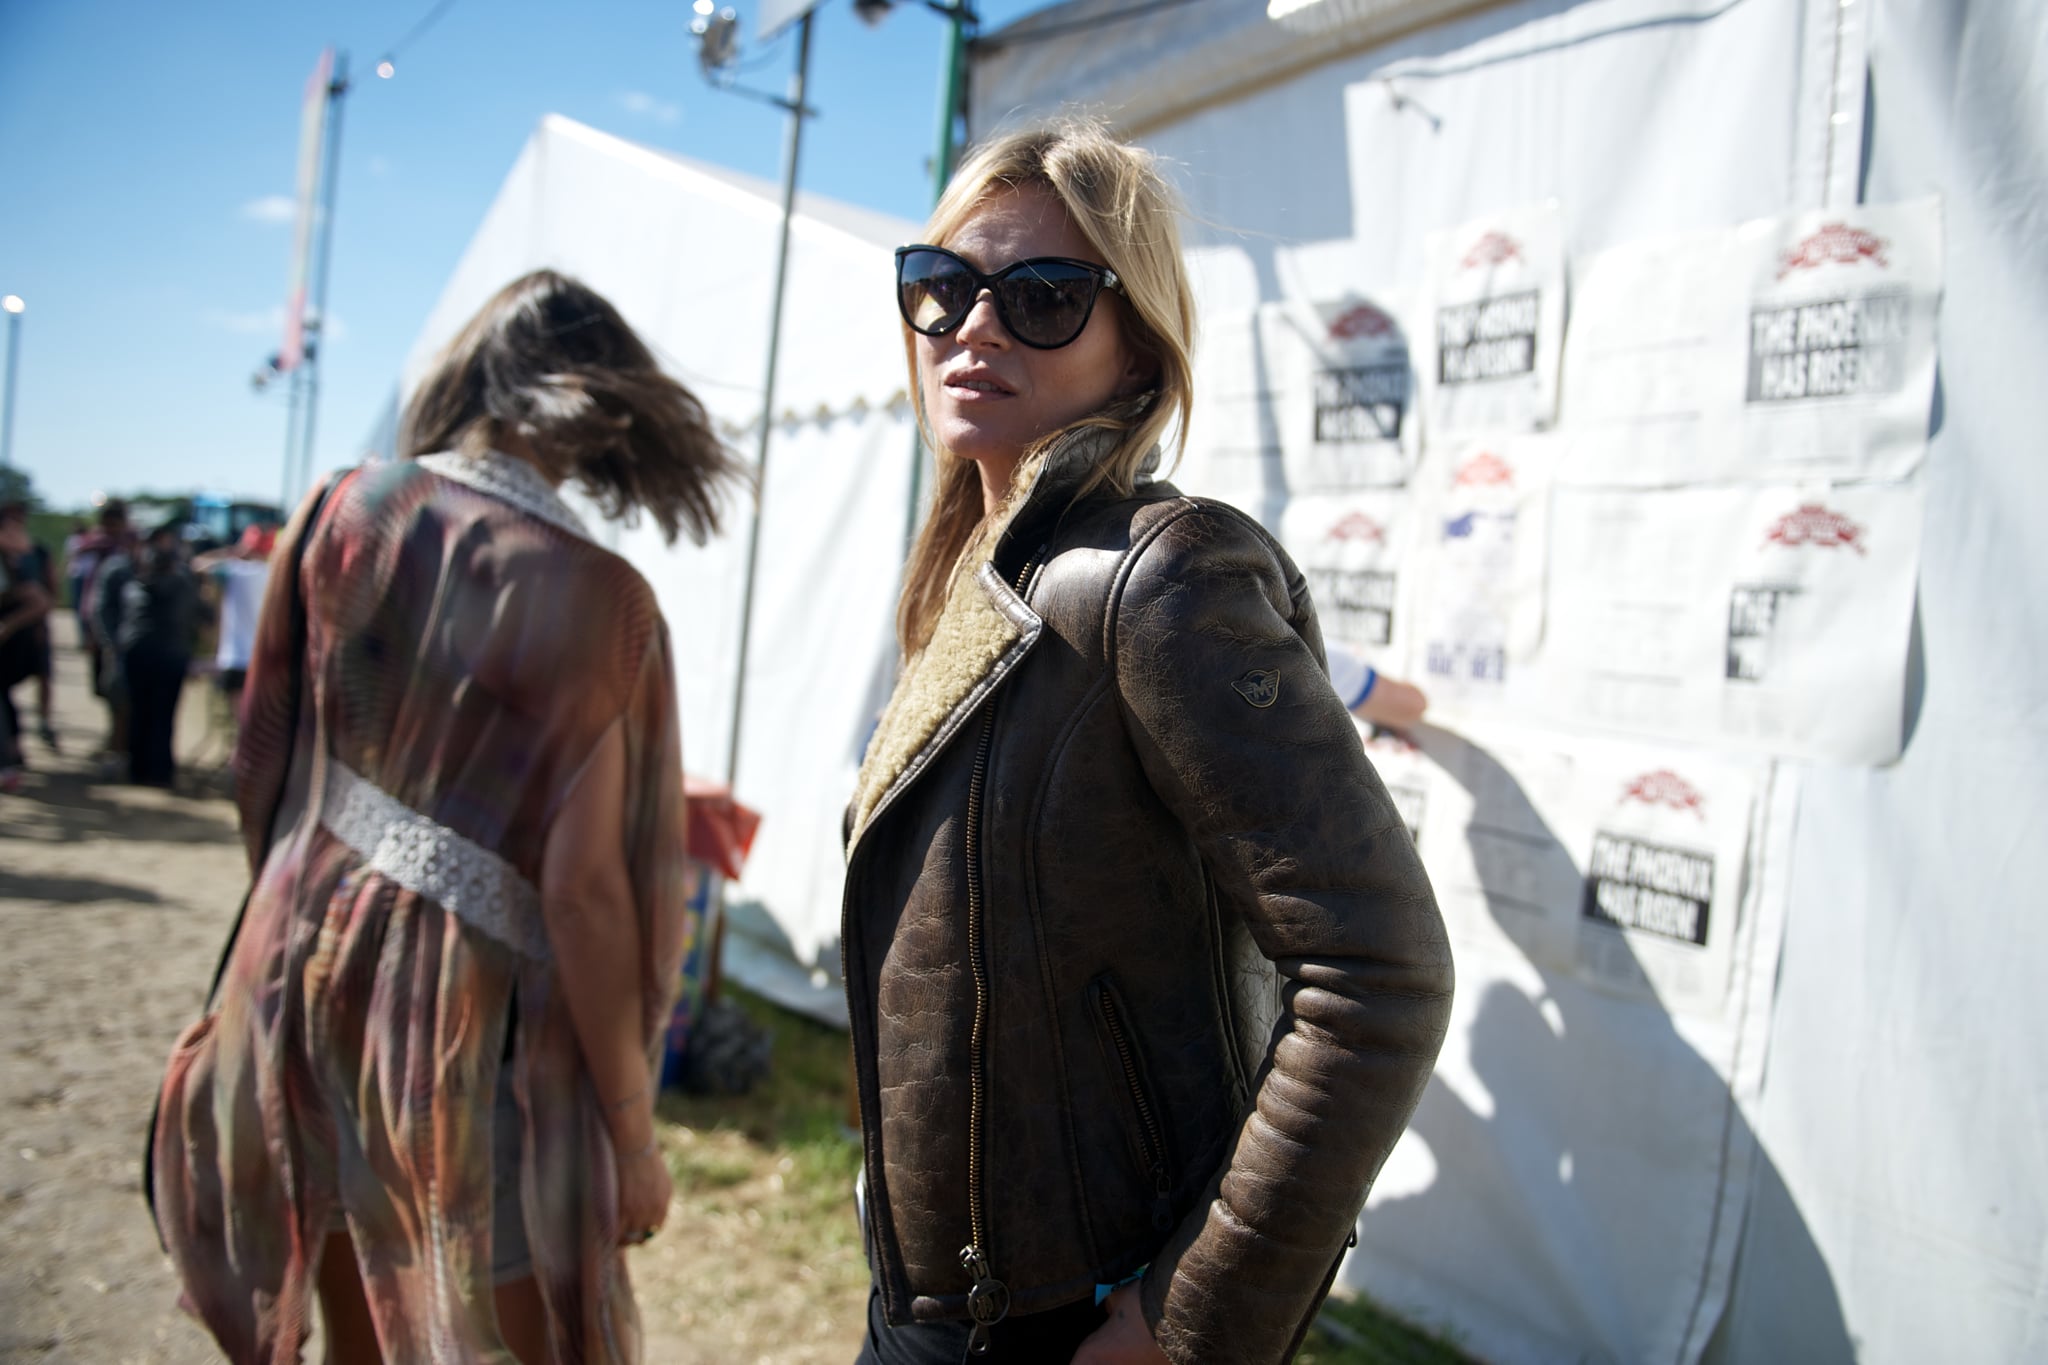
[
  {"x": 1143, "y": 971},
  {"x": 74, "y": 546},
  {"x": 156, "y": 605},
  {"x": 111, "y": 543},
  {"x": 1370, "y": 695},
  {"x": 36, "y": 564},
  {"x": 25, "y": 603},
  {"x": 239, "y": 574},
  {"x": 425, "y": 1090}
]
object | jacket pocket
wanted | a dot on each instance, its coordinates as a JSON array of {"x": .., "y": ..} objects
[{"x": 1147, "y": 1127}]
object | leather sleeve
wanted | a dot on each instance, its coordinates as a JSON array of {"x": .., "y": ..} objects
[{"x": 1217, "y": 665}]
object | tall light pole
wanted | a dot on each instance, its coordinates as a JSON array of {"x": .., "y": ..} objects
[
  {"x": 15, "y": 308},
  {"x": 962, "y": 23},
  {"x": 717, "y": 35},
  {"x": 315, "y": 353}
]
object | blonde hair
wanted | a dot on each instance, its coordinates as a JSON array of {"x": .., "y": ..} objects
[{"x": 1118, "y": 198}]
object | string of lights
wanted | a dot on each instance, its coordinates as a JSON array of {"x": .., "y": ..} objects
[{"x": 387, "y": 65}]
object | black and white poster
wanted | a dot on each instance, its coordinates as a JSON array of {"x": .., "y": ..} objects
[{"x": 1788, "y": 348}]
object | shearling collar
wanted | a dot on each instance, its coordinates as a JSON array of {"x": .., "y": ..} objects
[{"x": 985, "y": 628}]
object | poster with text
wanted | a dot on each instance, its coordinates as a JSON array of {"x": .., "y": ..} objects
[
  {"x": 1230, "y": 436},
  {"x": 1618, "y": 862},
  {"x": 1353, "y": 549},
  {"x": 1478, "y": 569},
  {"x": 1790, "y": 348},
  {"x": 1773, "y": 619},
  {"x": 1495, "y": 303},
  {"x": 1343, "y": 390}
]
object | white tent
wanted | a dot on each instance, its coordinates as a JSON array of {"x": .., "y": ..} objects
[
  {"x": 1845, "y": 1159},
  {"x": 686, "y": 252}
]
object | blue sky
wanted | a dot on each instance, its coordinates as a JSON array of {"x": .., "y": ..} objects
[{"x": 147, "y": 156}]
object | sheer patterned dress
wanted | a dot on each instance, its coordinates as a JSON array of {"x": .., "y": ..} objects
[{"x": 467, "y": 647}]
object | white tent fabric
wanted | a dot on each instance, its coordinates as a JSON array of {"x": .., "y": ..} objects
[
  {"x": 1883, "y": 1167},
  {"x": 687, "y": 253}
]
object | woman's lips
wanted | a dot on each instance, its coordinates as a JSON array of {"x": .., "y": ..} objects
[{"x": 977, "y": 388}]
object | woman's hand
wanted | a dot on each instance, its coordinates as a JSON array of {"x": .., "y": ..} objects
[
  {"x": 645, "y": 1189},
  {"x": 1124, "y": 1338}
]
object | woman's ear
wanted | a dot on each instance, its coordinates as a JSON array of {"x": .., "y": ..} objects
[{"x": 1139, "y": 374}]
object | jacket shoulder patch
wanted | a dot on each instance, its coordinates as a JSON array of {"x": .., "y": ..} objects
[{"x": 1260, "y": 687}]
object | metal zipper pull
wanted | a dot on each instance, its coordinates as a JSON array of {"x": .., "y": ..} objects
[{"x": 988, "y": 1301}]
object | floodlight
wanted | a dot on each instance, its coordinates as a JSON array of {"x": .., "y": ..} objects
[{"x": 718, "y": 39}]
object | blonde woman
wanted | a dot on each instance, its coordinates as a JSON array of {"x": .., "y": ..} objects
[{"x": 1145, "y": 976}]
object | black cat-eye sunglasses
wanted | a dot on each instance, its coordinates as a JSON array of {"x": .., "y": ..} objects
[{"x": 1044, "y": 302}]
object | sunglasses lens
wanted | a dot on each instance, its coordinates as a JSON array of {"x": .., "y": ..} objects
[
  {"x": 1047, "y": 303},
  {"x": 933, "y": 290}
]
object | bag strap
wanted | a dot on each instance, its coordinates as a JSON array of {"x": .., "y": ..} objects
[{"x": 291, "y": 584}]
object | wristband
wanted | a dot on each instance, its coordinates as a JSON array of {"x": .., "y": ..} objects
[{"x": 1372, "y": 680}]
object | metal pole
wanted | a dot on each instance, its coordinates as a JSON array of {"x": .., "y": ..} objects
[
  {"x": 952, "y": 95},
  {"x": 291, "y": 436},
  {"x": 13, "y": 364},
  {"x": 789, "y": 160},
  {"x": 958, "y": 18},
  {"x": 335, "y": 90}
]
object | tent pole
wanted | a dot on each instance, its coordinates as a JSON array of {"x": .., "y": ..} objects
[
  {"x": 337, "y": 88},
  {"x": 792, "y": 148},
  {"x": 960, "y": 21}
]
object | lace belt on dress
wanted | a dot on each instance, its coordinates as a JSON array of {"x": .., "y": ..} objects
[{"x": 426, "y": 857}]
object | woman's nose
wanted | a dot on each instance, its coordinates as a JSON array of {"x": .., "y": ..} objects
[{"x": 981, "y": 326}]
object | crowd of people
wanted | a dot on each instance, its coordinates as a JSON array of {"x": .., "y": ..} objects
[
  {"x": 143, "y": 604},
  {"x": 1143, "y": 970}
]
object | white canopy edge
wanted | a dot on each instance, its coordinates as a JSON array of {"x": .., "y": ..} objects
[
  {"x": 817, "y": 222},
  {"x": 1171, "y": 59}
]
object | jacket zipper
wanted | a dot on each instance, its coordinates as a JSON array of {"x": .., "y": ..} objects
[
  {"x": 1152, "y": 1135},
  {"x": 988, "y": 1299}
]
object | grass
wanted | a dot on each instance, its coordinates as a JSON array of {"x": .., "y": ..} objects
[
  {"x": 777, "y": 1166},
  {"x": 792, "y": 1134}
]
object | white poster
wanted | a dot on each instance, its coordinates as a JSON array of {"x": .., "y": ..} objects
[
  {"x": 1617, "y": 862},
  {"x": 1496, "y": 308},
  {"x": 1478, "y": 568},
  {"x": 1231, "y": 450},
  {"x": 1353, "y": 549},
  {"x": 1771, "y": 618},
  {"x": 1230, "y": 430},
  {"x": 1343, "y": 391},
  {"x": 1787, "y": 349}
]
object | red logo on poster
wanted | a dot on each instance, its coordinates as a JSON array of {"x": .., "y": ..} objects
[
  {"x": 1362, "y": 321},
  {"x": 1484, "y": 470},
  {"x": 1836, "y": 243},
  {"x": 1813, "y": 524},
  {"x": 1492, "y": 249},
  {"x": 1665, "y": 788},
  {"x": 1358, "y": 526}
]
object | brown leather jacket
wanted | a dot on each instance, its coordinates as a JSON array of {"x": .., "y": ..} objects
[{"x": 1143, "y": 967}]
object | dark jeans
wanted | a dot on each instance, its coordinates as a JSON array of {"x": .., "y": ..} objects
[
  {"x": 155, "y": 678},
  {"x": 1049, "y": 1338}
]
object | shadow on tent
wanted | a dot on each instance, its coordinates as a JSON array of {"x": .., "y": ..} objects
[{"x": 1584, "y": 1086}]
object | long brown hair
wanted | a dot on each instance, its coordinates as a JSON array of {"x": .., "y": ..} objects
[
  {"x": 550, "y": 361},
  {"x": 1122, "y": 203}
]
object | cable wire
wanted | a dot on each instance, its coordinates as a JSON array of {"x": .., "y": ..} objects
[{"x": 426, "y": 21}]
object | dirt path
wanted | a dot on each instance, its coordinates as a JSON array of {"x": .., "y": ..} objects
[{"x": 113, "y": 904}]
